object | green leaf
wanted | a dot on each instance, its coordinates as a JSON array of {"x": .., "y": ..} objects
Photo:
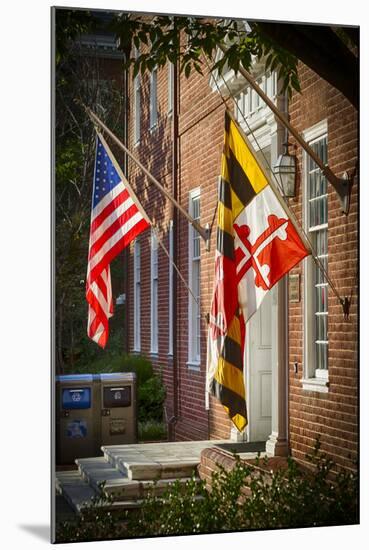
[
  {"x": 143, "y": 37},
  {"x": 198, "y": 68},
  {"x": 187, "y": 70},
  {"x": 136, "y": 41}
]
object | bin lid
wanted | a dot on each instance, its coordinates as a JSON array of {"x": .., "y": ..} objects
[
  {"x": 117, "y": 376},
  {"x": 75, "y": 378}
]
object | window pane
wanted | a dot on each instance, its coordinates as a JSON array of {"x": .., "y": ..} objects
[
  {"x": 312, "y": 185},
  {"x": 196, "y": 247},
  {"x": 325, "y": 356},
  {"x": 321, "y": 328},
  {"x": 318, "y": 357},
  {"x": 321, "y": 298},
  {"x": 196, "y": 208},
  {"x": 321, "y": 242},
  {"x": 320, "y": 278}
]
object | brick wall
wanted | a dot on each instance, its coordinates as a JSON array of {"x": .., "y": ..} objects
[
  {"x": 201, "y": 118},
  {"x": 332, "y": 415},
  {"x": 201, "y": 124},
  {"x": 213, "y": 460}
]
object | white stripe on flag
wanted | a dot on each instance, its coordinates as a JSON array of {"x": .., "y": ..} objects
[
  {"x": 98, "y": 333},
  {"x": 110, "y": 220},
  {"x": 113, "y": 240},
  {"x": 100, "y": 297}
]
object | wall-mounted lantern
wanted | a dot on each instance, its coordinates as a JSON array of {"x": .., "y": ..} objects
[{"x": 285, "y": 172}]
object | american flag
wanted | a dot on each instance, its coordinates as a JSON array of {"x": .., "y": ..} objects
[{"x": 116, "y": 220}]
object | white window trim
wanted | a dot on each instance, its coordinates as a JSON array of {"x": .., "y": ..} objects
[
  {"x": 137, "y": 105},
  {"x": 170, "y": 88},
  {"x": 154, "y": 345},
  {"x": 153, "y": 99},
  {"x": 192, "y": 363},
  {"x": 170, "y": 304},
  {"x": 260, "y": 121},
  {"x": 136, "y": 299},
  {"x": 313, "y": 379}
]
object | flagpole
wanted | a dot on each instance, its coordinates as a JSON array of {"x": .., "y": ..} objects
[
  {"x": 341, "y": 185},
  {"x": 142, "y": 210},
  {"x": 203, "y": 232}
]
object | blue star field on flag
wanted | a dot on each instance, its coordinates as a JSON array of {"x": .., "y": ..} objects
[{"x": 106, "y": 176}]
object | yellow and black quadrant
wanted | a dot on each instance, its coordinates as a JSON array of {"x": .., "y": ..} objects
[{"x": 241, "y": 180}]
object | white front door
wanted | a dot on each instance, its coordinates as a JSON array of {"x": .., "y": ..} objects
[{"x": 259, "y": 372}]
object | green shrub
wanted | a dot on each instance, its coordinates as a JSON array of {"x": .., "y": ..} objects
[
  {"x": 152, "y": 430},
  {"x": 112, "y": 362},
  {"x": 138, "y": 364},
  {"x": 151, "y": 396},
  {"x": 242, "y": 499},
  {"x": 248, "y": 498}
]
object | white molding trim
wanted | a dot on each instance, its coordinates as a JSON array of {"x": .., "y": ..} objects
[
  {"x": 230, "y": 80},
  {"x": 315, "y": 384},
  {"x": 170, "y": 289},
  {"x": 315, "y": 132},
  {"x": 153, "y": 313},
  {"x": 194, "y": 365}
]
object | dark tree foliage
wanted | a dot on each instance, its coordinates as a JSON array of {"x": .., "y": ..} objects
[
  {"x": 330, "y": 52},
  {"x": 79, "y": 76}
]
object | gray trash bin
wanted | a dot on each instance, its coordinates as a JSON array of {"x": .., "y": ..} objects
[
  {"x": 118, "y": 408},
  {"x": 77, "y": 417}
]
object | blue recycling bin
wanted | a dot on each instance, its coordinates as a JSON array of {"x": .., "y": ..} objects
[{"x": 77, "y": 417}]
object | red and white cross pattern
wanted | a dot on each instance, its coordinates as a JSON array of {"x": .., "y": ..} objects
[{"x": 267, "y": 246}]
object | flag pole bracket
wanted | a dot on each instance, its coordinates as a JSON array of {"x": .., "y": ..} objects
[
  {"x": 207, "y": 237},
  {"x": 342, "y": 186},
  {"x": 346, "y": 303}
]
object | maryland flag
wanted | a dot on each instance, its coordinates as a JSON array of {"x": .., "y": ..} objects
[{"x": 256, "y": 245}]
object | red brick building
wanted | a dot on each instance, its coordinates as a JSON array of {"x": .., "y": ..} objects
[{"x": 302, "y": 360}]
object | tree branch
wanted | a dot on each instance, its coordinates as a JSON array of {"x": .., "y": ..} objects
[{"x": 319, "y": 47}]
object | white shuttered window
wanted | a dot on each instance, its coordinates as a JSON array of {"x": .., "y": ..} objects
[{"x": 315, "y": 285}]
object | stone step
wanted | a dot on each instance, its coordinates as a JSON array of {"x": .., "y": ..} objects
[
  {"x": 79, "y": 494},
  {"x": 118, "y": 487},
  {"x": 156, "y": 460},
  {"x": 163, "y": 470},
  {"x": 76, "y": 491}
]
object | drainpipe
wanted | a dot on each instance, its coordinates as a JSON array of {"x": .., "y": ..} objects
[{"x": 174, "y": 216}]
